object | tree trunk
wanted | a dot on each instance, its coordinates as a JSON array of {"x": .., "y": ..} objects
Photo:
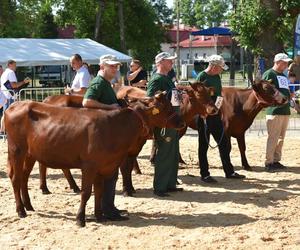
[
  {"x": 232, "y": 62},
  {"x": 101, "y": 5},
  {"x": 268, "y": 41},
  {"x": 121, "y": 23}
]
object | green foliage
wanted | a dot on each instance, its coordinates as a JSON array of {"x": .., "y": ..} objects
[
  {"x": 80, "y": 13},
  {"x": 46, "y": 28},
  {"x": 143, "y": 34},
  {"x": 163, "y": 13},
  {"x": 248, "y": 23},
  {"x": 253, "y": 21},
  {"x": 211, "y": 13},
  {"x": 203, "y": 13}
]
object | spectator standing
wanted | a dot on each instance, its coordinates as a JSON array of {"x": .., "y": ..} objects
[
  {"x": 137, "y": 76},
  {"x": 277, "y": 117},
  {"x": 213, "y": 124},
  {"x": 1, "y": 70},
  {"x": 295, "y": 67},
  {"x": 9, "y": 82},
  {"x": 167, "y": 158},
  {"x": 82, "y": 78},
  {"x": 101, "y": 95}
]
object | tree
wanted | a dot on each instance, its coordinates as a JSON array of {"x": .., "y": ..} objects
[
  {"x": 46, "y": 27},
  {"x": 92, "y": 19},
  {"x": 265, "y": 27},
  {"x": 163, "y": 13},
  {"x": 203, "y": 13}
]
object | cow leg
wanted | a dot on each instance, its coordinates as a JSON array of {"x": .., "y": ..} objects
[
  {"x": 43, "y": 182},
  {"x": 98, "y": 189},
  {"x": 15, "y": 165},
  {"x": 71, "y": 181},
  {"x": 242, "y": 148},
  {"x": 126, "y": 169},
  {"x": 87, "y": 181},
  {"x": 136, "y": 167},
  {"x": 27, "y": 168}
]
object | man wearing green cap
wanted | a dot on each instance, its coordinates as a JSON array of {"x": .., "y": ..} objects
[
  {"x": 167, "y": 140},
  {"x": 213, "y": 124},
  {"x": 101, "y": 95}
]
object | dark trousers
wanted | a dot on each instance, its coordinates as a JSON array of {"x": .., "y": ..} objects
[
  {"x": 108, "y": 196},
  {"x": 215, "y": 127}
]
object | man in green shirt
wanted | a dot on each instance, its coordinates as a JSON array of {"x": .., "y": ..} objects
[
  {"x": 277, "y": 116},
  {"x": 101, "y": 95},
  {"x": 213, "y": 124},
  {"x": 167, "y": 140}
]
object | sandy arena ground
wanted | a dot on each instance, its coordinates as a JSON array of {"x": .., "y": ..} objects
[{"x": 261, "y": 212}]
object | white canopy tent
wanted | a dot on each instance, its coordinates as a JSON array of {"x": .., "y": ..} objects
[{"x": 36, "y": 52}]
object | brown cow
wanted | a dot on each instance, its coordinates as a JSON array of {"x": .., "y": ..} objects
[
  {"x": 64, "y": 101},
  {"x": 196, "y": 101},
  {"x": 240, "y": 107},
  {"x": 95, "y": 141}
]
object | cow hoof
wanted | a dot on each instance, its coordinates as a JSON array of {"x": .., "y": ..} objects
[
  {"x": 127, "y": 193},
  {"x": 248, "y": 168},
  {"x": 80, "y": 223},
  {"x": 46, "y": 191},
  {"x": 22, "y": 214},
  {"x": 137, "y": 172},
  {"x": 29, "y": 208},
  {"x": 76, "y": 190}
]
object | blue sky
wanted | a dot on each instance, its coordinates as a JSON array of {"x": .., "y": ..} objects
[{"x": 169, "y": 3}]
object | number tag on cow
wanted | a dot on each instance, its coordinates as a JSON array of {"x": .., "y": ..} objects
[
  {"x": 219, "y": 102},
  {"x": 155, "y": 111},
  {"x": 283, "y": 82},
  {"x": 175, "y": 98}
]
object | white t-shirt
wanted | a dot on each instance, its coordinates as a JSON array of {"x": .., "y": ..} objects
[
  {"x": 81, "y": 79},
  {"x": 8, "y": 75}
]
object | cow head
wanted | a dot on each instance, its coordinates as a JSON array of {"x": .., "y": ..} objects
[
  {"x": 200, "y": 98},
  {"x": 159, "y": 112},
  {"x": 267, "y": 95}
]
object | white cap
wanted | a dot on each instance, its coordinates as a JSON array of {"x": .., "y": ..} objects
[
  {"x": 164, "y": 56},
  {"x": 282, "y": 57},
  {"x": 109, "y": 59},
  {"x": 217, "y": 60}
]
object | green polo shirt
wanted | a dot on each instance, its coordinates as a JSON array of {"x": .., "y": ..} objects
[
  {"x": 283, "y": 109},
  {"x": 100, "y": 90},
  {"x": 211, "y": 81},
  {"x": 159, "y": 82}
]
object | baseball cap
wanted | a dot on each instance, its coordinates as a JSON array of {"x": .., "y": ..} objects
[
  {"x": 109, "y": 59},
  {"x": 282, "y": 57},
  {"x": 217, "y": 60},
  {"x": 164, "y": 56}
]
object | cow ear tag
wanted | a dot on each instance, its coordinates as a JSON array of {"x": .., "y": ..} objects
[{"x": 155, "y": 111}]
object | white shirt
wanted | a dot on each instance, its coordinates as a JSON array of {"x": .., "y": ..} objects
[
  {"x": 8, "y": 75},
  {"x": 81, "y": 79}
]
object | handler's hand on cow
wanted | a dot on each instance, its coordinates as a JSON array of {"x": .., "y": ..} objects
[{"x": 68, "y": 91}]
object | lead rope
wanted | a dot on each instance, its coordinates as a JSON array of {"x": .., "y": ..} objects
[{"x": 205, "y": 130}]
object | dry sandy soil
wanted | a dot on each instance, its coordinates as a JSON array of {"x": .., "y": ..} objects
[{"x": 261, "y": 212}]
